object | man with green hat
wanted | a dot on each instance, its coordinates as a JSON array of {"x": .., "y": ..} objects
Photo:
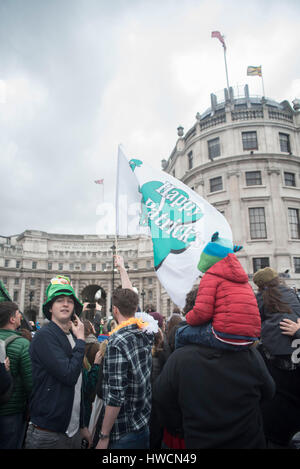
[
  {"x": 57, "y": 352},
  {"x": 13, "y": 405}
]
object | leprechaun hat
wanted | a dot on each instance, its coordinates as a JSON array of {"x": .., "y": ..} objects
[
  {"x": 60, "y": 285},
  {"x": 4, "y": 295}
]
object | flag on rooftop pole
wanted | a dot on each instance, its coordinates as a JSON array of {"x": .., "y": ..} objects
[
  {"x": 256, "y": 71},
  {"x": 99, "y": 181},
  {"x": 179, "y": 221},
  {"x": 219, "y": 36}
]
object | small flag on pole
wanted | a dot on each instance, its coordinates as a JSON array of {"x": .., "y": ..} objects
[
  {"x": 252, "y": 71},
  {"x": 99, "y": 181},
  {"x": 218, "y": 35}
]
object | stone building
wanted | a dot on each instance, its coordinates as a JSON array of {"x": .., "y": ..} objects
[
  {"x": 243, "y": 156},
  {"x": 29, "y": 260}
]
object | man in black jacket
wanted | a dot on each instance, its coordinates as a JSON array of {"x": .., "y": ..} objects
[
  {"x": 57, "y": 351},
  {"x": 213, "y": 397}
]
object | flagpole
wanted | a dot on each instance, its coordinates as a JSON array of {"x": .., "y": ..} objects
[
  {"x": 262, "y": 81},
  {"x": 226, "y": 70}
]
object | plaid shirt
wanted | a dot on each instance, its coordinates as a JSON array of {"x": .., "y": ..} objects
[{"x": 127, "y": 379}]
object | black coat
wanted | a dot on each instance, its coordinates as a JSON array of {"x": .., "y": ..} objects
[{"x": 214, "y": 397}]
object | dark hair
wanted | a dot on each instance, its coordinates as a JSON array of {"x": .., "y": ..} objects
[
  {"x": 7, "y": 310},
  {"x": 149, "y": 308},
  {"x": 272, "y": 297},
  {"x": 190, "y": 300},
  {"x": 91, "y": 351},
  {"x": 173, "y": 325},
  {"x": 126, "y": 300}
]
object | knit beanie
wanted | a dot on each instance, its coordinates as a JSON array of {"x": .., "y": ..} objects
[
  {"x": 158, "y": 317},
  {"x": 60, "y": 285},
  {"x": 216, "y": 250},
  {"x": 263, "y": 276}
]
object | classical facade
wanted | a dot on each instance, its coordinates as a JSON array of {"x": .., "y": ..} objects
[
  {"x": 243, "y": 156},
  {"x": 29, "y": 260}
]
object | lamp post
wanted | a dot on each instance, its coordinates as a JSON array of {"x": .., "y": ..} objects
[
  {"x": 31, "y": 295},
  {"x": 143, "y": 293},
  {"x": 113, "y": 248}
]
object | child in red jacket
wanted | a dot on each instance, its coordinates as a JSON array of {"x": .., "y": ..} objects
[{"x": 225, "y": 314}]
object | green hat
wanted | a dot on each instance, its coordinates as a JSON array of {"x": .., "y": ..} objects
[
  {"x": 4, "y": 295},
  {"x": 263, "y": 276},
  {"x": 60, "y": 285},
  {"x": 216, "y": 250}
]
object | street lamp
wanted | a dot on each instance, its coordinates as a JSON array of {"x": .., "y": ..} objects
[
  {"x": 113, "y": 248},
  {"x": 31, "y": 295},
  {"x": 143, "y": 293}
]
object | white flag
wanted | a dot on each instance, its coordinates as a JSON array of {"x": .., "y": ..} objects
[{"x": 179, "y": 221}]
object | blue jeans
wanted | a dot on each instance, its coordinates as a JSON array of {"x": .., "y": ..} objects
[
  {"x": 133, "y": 440},
  {"x": 202, "y": 335},
  {"x": 12, "y": 431}
]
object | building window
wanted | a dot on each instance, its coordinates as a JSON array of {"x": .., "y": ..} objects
[
  {"x": 290, "y": 179},
  {"x": 16, "y": 281},
  {"x": 94, "y": 267},
  {"x": 148, "y": 264},
  {"x": 257, "y": 219},
  {"x": 71, "y": 266},
  {"x": 18, "y": 264},
  {"x": 6, "y": 263},
  {"x": 150, "y": 281},
  {"x": 16, "y": 295},
  {"x": 294, "y": 222},
  {"x": 297, "y": 265},
  {"x": 32, "y": 281},
  {"x": 249, "y": 141},
  {"x": 34, "y": 264},
  {"x": 60, "y": 266},
  {"x": 216, "y": 184},
  {"x": 284, "y": 140},
  {"x": 260, "y": 263},
  {"x": 150, "y": 295},
  {"x": 253, "y": 178},
  {"x": 82, "y": 267},
  {"x": 135, "y": 266},
  {"x": 214, "y": 149},
  {"x": 49, "y": 265},
  {"x": 190, "y": 160}
]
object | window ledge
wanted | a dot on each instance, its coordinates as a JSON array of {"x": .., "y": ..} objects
[
  {"x": 259, "y": 240},
  {"x": 260, "y": 186}
]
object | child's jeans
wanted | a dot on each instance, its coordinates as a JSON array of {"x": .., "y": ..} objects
[{"x": 202, "y": 335}]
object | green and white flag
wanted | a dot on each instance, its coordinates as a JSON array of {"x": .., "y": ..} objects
[{"x": 179, "y": 221}]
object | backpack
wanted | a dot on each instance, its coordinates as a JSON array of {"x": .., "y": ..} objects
[{"x": 3, "y": 345}]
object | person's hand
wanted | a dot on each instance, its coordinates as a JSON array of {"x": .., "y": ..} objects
[
  {"x": 77, "y": 328},
  {"x": 102, "y": 444},
  {"x": 98, "y": 307},
  {"x": 7, "y": 364},
  {"x": 119, "y": 262},
  {"x": 289, "y": 327},
  {"x": 85, "y": 306},
  {"x": 98, "y": 357},
  {"x": 86, "y": 435}
]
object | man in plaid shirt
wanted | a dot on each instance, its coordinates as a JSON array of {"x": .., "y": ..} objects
[{"x": 126, "y": 384}]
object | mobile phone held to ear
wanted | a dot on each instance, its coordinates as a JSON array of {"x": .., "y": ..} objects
[{"x": 73, "y": 318}]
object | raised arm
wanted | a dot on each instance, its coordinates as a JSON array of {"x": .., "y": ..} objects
[{"x": 125, "y": 281}]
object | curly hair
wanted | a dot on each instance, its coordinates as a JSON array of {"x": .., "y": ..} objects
[{"x": 190, "y": 300}]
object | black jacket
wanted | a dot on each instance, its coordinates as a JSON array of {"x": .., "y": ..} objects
[
  {"x": 55, "y": 369},
  {"x": 214, "y": 396},
  {"x": 272, "y": 338}
]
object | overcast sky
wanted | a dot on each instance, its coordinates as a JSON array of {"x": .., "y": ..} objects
[{"x": 78, "y": 77}]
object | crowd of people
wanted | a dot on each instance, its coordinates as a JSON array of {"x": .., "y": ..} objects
[{"x": 221, "y": 373}]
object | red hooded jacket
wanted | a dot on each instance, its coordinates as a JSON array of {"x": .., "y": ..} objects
[{"x": 226, "y": 298}]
